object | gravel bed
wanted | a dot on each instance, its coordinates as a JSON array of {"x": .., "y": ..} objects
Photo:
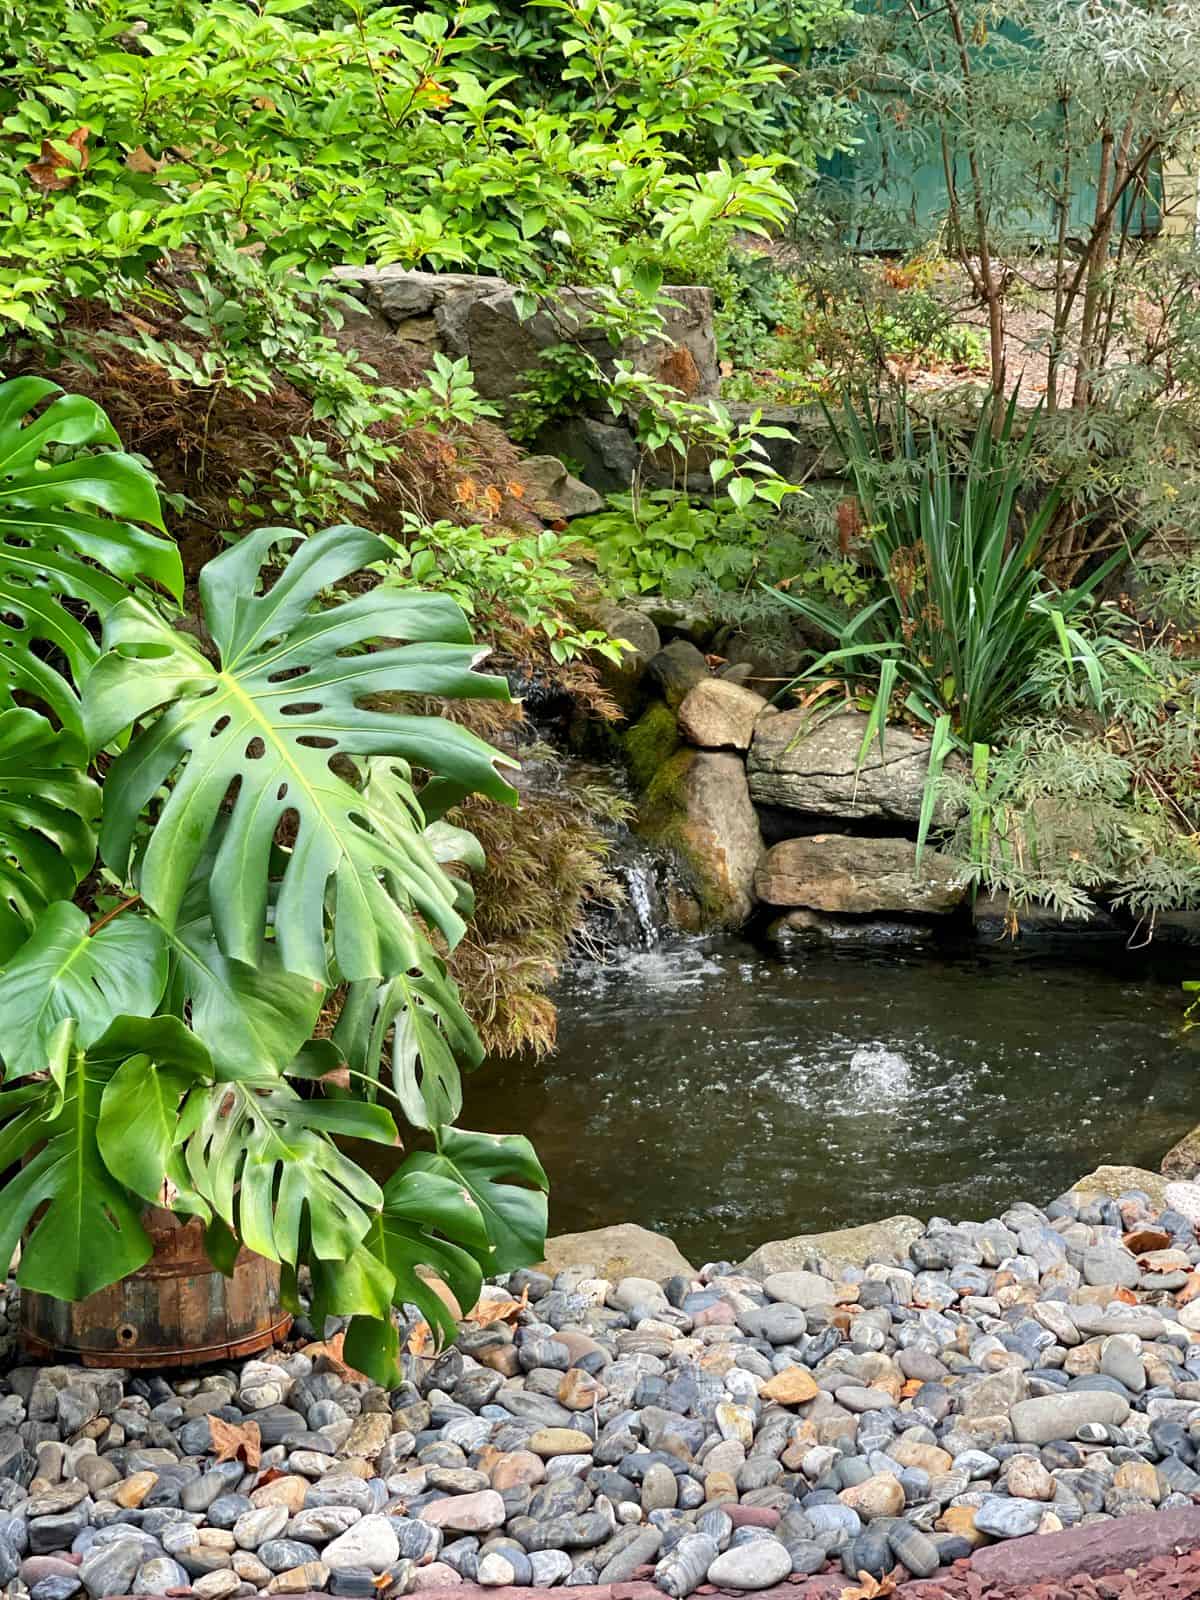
[{"x": 1023, "y": 1387}]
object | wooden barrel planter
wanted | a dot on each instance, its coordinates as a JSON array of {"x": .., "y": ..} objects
[{"x": 177, "y": 1311}]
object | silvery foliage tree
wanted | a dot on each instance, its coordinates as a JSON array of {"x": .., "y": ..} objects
[{"x": 1053, "y": 119}]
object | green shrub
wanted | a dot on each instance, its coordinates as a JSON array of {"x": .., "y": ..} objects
[
  {"x": 965, "y": 615},
  {"x": 202, "y": 849}
]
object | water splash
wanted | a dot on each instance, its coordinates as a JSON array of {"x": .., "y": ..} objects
[{"x": 880, "y": 1071}]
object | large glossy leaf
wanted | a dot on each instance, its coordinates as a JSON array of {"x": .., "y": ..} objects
[
  {"x": 48, "y": 812},
  {"x": 89, "y": 1233},
  {"x": 295, "y": 688},
  {"x": 420, "y": 1019},
  {"x": 63, "y": 971},
  {"x": 252, "y": 1020},
  {"x": 505, "y": 1179},
  {"x": 60, "y": 561},
  {"x": 403, "y": 1238},
  {"x": 264, "y": 1160},
  {"x": 154, "y": 1061}
]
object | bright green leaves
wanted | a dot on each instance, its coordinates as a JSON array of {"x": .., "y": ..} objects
[
  {"x": 89, "y": 1234},
  {"x": 63, "y": 972},
  {"x": 291, "y": 693},
  {"x": 154, "y": 1063},
  {"x": 421, "y": 1018},
  {"x": 262, "y": 1158},
  {"x": 253, "y": 1020},
  {"x": 48, "y": 813},
  {"x": 61, "y": 557},
  {"x": 460, "y": 1214},
  {"x": 404, "y": 1240},
  {"x": 493, "y": 1168}
]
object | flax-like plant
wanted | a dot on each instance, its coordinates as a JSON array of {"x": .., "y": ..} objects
[{"x": 966, "y": 611}]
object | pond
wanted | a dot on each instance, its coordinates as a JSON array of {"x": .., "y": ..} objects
[{"x": 728, "y": 1097}]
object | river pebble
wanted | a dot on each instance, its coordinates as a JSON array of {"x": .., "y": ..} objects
[{"x": 996, "y": 1380}]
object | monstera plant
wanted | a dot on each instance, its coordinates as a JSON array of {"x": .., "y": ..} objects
[{"x": 207, "y": 849}]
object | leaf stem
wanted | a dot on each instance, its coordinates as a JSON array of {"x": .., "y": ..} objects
[{"x": 116, "y": 911}]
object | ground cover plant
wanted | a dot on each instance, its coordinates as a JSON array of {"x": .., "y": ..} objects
[{"x": 208, "y": 842}]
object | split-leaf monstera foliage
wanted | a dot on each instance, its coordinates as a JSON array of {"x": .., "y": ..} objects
[{"x": 202, "y": 848}]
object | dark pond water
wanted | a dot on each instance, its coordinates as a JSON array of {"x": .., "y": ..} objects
[{"x": 728, "y": 1097}]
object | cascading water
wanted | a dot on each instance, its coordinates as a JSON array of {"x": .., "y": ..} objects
[{"x": 642, "y": 920}]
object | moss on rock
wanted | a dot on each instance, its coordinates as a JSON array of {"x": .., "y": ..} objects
[
  {"x": 697, "y": 805},
  {"x": 650, "y": 743}
]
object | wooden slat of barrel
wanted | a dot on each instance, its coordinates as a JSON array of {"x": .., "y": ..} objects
[{"x": 177, "y": 1311}]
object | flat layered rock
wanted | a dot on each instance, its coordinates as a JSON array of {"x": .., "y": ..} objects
[
  {"x": 803, "y": 764},
  {"x": 624, "y": 1250},
  {"x": 848, "y": 873},
  {"x": 853, "y": 1247}
]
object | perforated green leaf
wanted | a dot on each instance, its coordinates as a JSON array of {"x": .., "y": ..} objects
[
  {"x": 428, "y": 1221},
  {"x": 504, "y": 1177},
  {"x": 61, "y": 561},
  {"x": 253, "y": 1020},
  {"x": 264, "y": 1160},
  {"x": 48, "y": 813},
  {"x": 295, "y": 689}
]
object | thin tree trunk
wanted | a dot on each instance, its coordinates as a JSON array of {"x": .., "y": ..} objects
[{"x": 990, "y": 285}]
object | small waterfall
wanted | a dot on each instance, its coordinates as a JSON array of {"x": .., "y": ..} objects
[{"x": 642, "y": 919}]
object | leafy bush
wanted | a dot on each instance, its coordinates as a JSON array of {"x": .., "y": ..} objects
[
  {"x": 661, "y": 543},
  {"x": 263, "y": 849},
  {"x": 1071, "y": 803},
  {"x": 719, "y": 80},
  {"x": 528, "y": 578},
  {"x": 141, "y": 130}
]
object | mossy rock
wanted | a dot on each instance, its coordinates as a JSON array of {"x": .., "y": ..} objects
[
  {"x": 698, "y": 806},
  {"x": 650, "y": 743}
]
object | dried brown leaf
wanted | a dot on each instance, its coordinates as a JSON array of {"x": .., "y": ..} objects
[{"x": 235, "y": 1441}]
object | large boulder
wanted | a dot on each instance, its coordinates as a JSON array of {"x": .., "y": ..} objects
[
  {"x": 698, "y": 806},
  {"x": 606, "y": 454},
  {"x": 807, "y": 447},
  {"x": 888, "y": 1240},
  {"x": 719, "y": 715},
  {"x": 465, "y": 314},
  {"x": 1108, "y": 1183},
  {"x": 676, "y": 670},
  {"x": 843, "y": 872},
  {"x": 803, "y": 764},
  {"x": 995, "y": 917},
  {"x": 623, "y": 1250},
  {"x": 1182, "y": 1160}
]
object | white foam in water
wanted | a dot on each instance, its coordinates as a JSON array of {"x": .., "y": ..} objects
[{"x": 880, "y": 1071}]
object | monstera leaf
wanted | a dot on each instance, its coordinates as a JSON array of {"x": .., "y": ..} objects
[
  {"x": 403, "y": 1239},
  {"x": 63, "y": 970},
  {"x": 89, "y": 1233},
  {"x": 262, "y": 1158},
  {"x": 259, "y": 734},
  {"x": 48, "y": 813},
  {"x": 252, "y": 1020},
  {"x": 153, "y": 1061},
  {"x": 59, "y": 559},
  {"x": 505, "y": 1179},
  {"x": 420, "y": 1018}
]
